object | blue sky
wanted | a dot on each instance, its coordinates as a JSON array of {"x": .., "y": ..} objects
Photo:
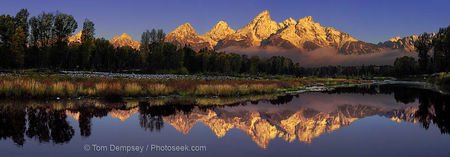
[{"x": 371, "y": 21}]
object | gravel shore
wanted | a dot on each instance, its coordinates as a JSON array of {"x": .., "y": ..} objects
[{"x": 85, "y": 74}]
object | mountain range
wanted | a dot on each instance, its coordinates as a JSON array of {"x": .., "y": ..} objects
[{"x": 303, "y": 35}]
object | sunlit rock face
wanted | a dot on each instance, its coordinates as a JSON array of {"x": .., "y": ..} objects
[
  {"x": 252, "y": 34},
  {"x": 185, "y": 35},
  {"x": 217, "y": 33},
  {"x": 75, "y": 38},
  {"x": 405, "y": 43},
  {"x": 304, "y": 35},
  {"x": 124, "y": 40},
  {"x": 307, "y": 35}
]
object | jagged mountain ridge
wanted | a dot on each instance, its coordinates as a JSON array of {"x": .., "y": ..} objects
[
  {"x": 217, "y": 33},
  {"x": 304, "y": 35},
  {"x": 117, "y": 41},
  {"x": 403, "y": 43},
  {"x": 252, "y": 34},
  {"x": 186, "y": 35}
]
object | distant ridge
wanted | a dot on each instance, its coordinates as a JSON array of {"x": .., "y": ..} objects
[
  {"x": 117, "y": 41},
  {"x": 405, "y": 43}
]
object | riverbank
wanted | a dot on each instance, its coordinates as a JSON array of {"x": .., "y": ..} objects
[
  {"x": 442, "y": 80},
  {"x": 439, "y": 82},
  {"x": 70, "y": 86}
]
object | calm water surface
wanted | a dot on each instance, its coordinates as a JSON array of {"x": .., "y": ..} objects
[{"x": 377, "y": 120}]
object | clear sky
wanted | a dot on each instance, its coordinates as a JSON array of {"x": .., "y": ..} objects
[{"x": 371, "y": 21}]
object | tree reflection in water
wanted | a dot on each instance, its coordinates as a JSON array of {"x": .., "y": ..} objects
[
  {"x": 43, "y": 124},
  {"x": 12, "y": 123},
  {"x": 434, "y": 109},
  {"x": 433, "y": 106},
  {"x": 47, "y": 122}
]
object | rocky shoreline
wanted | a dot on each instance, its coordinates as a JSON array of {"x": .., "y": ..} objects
[{"x": 109, "y": 75}]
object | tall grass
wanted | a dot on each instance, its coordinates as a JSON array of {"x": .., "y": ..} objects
[
  {"x": 133, "y": 89},
  {"x": 217, "y": 90},
  {"x": 159, "y": 89},
  {"x": 31, "y": 87},
  {"x": 35, "y": 88}
]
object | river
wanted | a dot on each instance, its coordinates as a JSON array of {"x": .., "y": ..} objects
[{"x": 369, "y": 120}]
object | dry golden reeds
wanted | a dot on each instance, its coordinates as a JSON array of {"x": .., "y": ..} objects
[{"x": 16, "y": 86}]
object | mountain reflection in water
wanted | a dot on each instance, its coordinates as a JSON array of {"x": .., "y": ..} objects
[{"x": 301, "y": 117}]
